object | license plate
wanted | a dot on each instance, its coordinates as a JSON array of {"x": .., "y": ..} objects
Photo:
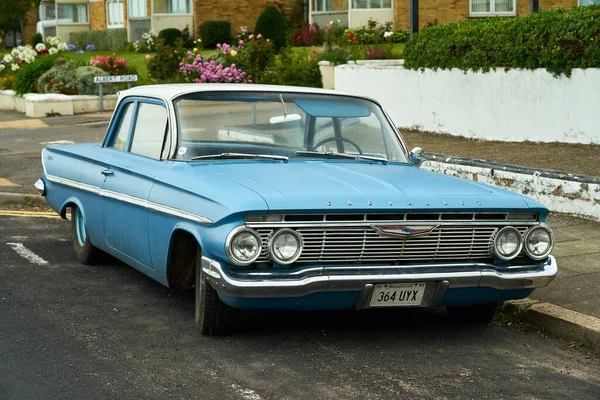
[{"x": 398, "y": 294}]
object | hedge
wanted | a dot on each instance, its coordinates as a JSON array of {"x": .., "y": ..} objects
[
  {"x": 214, "y": 32},
  {"x": 108, "y": 39},
  {"x": 557, "y": 40}
]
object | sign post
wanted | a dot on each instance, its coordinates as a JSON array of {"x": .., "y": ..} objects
[{"x": 100, "y": 80}]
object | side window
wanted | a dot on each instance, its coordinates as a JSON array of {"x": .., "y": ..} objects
[
  {"x": 150, "y": 129},
  {"x": 120, "y": 141}
]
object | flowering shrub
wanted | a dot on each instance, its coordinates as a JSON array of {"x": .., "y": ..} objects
[
  {"x": 164, "y": 66},
  {"x": 111, "y": 64},
  {"x": 90, "y": 47},
  {"x": 378, "y": 53},
  {"x": 27, "y": 54},
  {"x": 67, "y": 78},
  {"x": 148, "y": 43},
  {"x": 307, "y": 35},
  {"x": 194, "y": 69},
  {"x": 374, "y": 33}
]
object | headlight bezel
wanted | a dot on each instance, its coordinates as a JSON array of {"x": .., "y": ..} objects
[
  {"x": 229, "y": 249},
  {"x": 299, "y": 250},
  {"x": 526, "y": 239},
  {"x": 518, "y": 250}
]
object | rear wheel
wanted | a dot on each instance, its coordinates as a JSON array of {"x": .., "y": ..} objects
[
  {"x": 85, "y": 251},
  {"x": 213, "y": 316},
  {"x": 478, "y": 314}
]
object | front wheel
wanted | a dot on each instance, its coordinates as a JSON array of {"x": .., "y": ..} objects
[
  {"x": 85, "y": 251},
  {"x": 213, "y": 317},
  {"x": 478, "y": 314}
]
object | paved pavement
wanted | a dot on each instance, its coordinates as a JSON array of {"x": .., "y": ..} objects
[{"x": 577, "y": 240}]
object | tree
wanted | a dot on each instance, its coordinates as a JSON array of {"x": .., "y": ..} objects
[{"x": 14, "y": 14}]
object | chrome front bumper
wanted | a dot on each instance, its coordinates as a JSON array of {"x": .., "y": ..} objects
[{"x": 273, "y": 284}]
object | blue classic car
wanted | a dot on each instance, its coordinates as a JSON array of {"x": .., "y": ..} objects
[{"x": 277, "y": 197}]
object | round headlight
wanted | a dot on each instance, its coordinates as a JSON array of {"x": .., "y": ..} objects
[
  {"x": 508, "y": 243},
  {"x": 243, "y": 246},
  {"x": 285, "y": 246},
  {"x": 539, "y": 241}
]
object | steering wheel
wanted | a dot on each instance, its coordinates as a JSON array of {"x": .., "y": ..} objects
[{"x": 332, "y": 139}]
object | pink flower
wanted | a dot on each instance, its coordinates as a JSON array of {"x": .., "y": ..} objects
[
  {"x": 218, "y": 45},
  {"x": 327, "y": 26},
  {"x": 258, "y": 36},
  {"x": 147, "y": 57},
  {"x": 268, "y": 40},
  {"x": 251, "y": 37},
  {"x": 241, "y": 42}
]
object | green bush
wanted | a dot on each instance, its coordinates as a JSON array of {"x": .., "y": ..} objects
[
  {"x": 67, "y": 78},
  {"x": 271, "y": 24},
  {"x": 59, "y": 79},
  {"x": 27, "y": 76},
  {"x": 214, "y": 32},
  {"x": 36, "y": 38},
  {"x": 170, "y": 36},
  {"x": 557, "y": 40},
  {"x": 294, "y": 70},
  {"x": 85, "y": 81},
  {"x": 164, "y": 66},
  {"x": 108, "y": 39}
]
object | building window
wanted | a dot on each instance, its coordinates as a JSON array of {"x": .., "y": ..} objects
[
  {"x": 47, "y": 11},
  {"x": 371, "y": 4},
  {"x": 137, "y": 8},
  {"x": 73, "y": 14},
  {"x": 172, "y": 7},
  {"x": 588, "y": 2},
  {"x": 323, "y": 5},
  {"x": 492, "y": 7},
  {"x": 114, "y": 14}
]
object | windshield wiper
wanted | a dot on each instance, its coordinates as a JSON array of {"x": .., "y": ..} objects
[
  {"x": 241, "y": 155},
  {"x": 341, "y": 155}
]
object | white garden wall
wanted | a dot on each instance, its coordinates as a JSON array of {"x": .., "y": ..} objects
[{"x": 517, "y": 105}]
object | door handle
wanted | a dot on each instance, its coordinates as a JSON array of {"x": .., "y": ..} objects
[{"x": 106, "y": 172}]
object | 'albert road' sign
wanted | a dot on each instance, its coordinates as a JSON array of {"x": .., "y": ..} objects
[{"x": 115, "y": 78}]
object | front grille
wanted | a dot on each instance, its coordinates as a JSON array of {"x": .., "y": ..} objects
[{"x": 362, "y": 244}]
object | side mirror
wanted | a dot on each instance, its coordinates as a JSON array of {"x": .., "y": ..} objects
[{"x": 416, "y": 156}]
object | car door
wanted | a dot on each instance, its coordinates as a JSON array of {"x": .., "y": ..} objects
[{"x": 133, "y": 159}]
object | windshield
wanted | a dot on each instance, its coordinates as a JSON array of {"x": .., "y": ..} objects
[{"x": 213, "y": 125}]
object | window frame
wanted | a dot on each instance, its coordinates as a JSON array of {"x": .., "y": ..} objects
[
  {"x": 492, "y": 12},
  {"x": 115, "y": 124},
  {"x": 130, "y": 8},
  {"x": 324, "y": 5},
  {"x": 166, "y": 12},
  {"x": 115, "y": 26},
  {"x": 391, "y": 7},
  {"x": 74, "y": 5},
  {"x": 585, "y": 5}
]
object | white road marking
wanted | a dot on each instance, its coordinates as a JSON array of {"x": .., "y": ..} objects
[
  {"x": 27, "y": 254},
  {"x": 246, "y": 394}
]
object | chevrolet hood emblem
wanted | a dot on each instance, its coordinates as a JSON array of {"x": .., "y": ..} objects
[{"x": 403, "y": 230}]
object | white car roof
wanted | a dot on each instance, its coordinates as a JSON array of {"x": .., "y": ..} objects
[{"x": 168, "y": 92}]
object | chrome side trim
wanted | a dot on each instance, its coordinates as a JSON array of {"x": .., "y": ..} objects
[
  {"x": 129, "y": 199},
  {"x": 326, "y": 279}
]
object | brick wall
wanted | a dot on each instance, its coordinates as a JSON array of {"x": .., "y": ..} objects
[
  {"x": 438, "y": 12},
  {"x": 97, "y": 15},
  {"x": 239, "y": 13}
]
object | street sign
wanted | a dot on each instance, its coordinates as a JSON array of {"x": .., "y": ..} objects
[{"x": 115, "y": 78}]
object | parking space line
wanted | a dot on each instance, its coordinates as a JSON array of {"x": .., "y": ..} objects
[
  {"x": 32, "y": 214},
  {"x": 27, "y": 254},
  {"x": 23, "y": 124},
  {"x": 6, "y": 182}
]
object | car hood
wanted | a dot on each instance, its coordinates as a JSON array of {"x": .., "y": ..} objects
[{"x": 353, "y": 186}]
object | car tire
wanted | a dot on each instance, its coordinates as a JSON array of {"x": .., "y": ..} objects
[
  {"x": 85, "y": 251},
  {"x": 478, "y": 314},
  {"x": 213, "y": 316}
]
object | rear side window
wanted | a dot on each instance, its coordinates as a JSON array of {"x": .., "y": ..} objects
[{"x": 149, "y": 131}]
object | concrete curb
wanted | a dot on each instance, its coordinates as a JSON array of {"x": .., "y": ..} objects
[
  {"x": 558, "y": 321},
  {"x": 21, "y": 198}
]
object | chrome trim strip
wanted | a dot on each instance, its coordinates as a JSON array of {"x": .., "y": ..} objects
[
  {"x": 324, "y": 279},
  {"x": 129, "y": 199},
  {"x": 355, "y": 224}
]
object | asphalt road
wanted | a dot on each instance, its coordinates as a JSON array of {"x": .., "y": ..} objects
[
  {"x": 20, "y": 149},
  {"x": 70, "y": 331}
]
